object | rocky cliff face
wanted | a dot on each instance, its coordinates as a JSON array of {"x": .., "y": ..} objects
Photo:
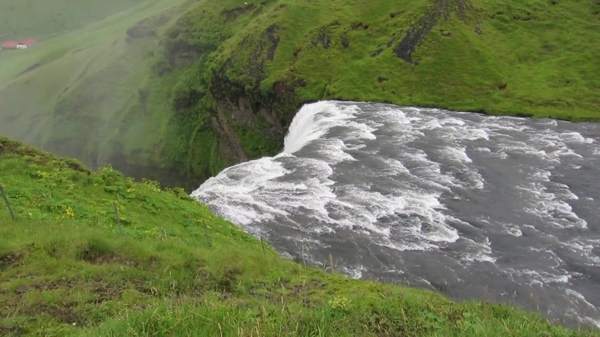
[{"x": 248, "y": 110}]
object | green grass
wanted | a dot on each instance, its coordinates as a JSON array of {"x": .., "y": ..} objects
[
  {"x": 79, "y": 94},
  {"x": 529, "y": 57},
  {"x": 214, "y": 82},
  {"x": 42, "y": 19},
  {"x": 66, "y": 270}
]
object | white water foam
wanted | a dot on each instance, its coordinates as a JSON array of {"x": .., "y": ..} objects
[
  {"x": 313, "y": 121},
  {"x": 551, "y": 274},
  {"x": 333, "y": 151},
  {"x": 580, "y": 298},
  {"x": 548, "y": 206},
  {"x": 456, "y": 154},
  {"x": 584, "y": 248},
  {"x": 482, "y": 253},
  {"x": 384, "y": 174},
  {"x": 236, "y": 184}
]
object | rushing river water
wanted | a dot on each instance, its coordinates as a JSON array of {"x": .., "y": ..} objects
[{"x": 473, "y": 206}]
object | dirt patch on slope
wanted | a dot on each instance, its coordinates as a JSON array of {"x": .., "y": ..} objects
[
  {"x": 12, "y": 331},
  {"x": 231, "y": 145},
  {"x": 10, "y": 259},
  {"x": 95, "y": 257},
  {"x": 233, "y": 14},
  {"x": 65, "y": 313},
  {"x": 441, "y": 10}
]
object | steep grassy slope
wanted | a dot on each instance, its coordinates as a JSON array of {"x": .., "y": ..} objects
[
  {"x": 532, "y": 57},
  {"x": 178, "y": 95},
  {"x": 80, "y": 94},
  {"x": 46, "y": 18},
  {"x": 179, "y": 270},
  {"x": 527, "y": 58}
]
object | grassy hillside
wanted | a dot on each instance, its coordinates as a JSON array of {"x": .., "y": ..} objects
[
  {"x": 532, "y": 57},
  {"x": 173, "y": 268},
  {"x": 81, "y": 94},
  {"x": 177, "y": 90},
  {"x": 46, "y": 18},
  {"x": 526, "y": 58}
]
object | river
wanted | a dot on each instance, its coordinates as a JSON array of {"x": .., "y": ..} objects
[{"x": 472, "y": 206}]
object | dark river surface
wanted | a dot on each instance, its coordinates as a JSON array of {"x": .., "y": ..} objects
[{"x": 472, "y": 206}]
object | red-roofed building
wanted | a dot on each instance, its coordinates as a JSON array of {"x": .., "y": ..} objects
[
  {"x": 29, "y": 42},
  {"x": 10, "y": 45}
]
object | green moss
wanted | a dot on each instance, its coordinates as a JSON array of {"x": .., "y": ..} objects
[{"x": 256, "y": 144}]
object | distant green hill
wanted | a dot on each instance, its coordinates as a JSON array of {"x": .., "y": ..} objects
[
  {"x": 78, "y": 94},
  {"x": 46, "y": 18},
  {"x": 169, "y": 267},
  {"x": 177, "y": 90}
]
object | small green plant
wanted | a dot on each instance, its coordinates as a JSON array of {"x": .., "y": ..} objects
[
  {"x": 5, "y": 197},
  {"x": 340, "y": 303},
  {"x": 152, "y": 184}
]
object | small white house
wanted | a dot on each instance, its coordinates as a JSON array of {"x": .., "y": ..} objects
[{"x": 21, "y": 46}]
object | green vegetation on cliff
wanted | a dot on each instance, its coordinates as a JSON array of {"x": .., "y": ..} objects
[
  {"x": 534, "y": 57},
  {"x": 177, "y": 90},
  {"x": 527, "y": 58},
  {"x": 178, "y": 270}
]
